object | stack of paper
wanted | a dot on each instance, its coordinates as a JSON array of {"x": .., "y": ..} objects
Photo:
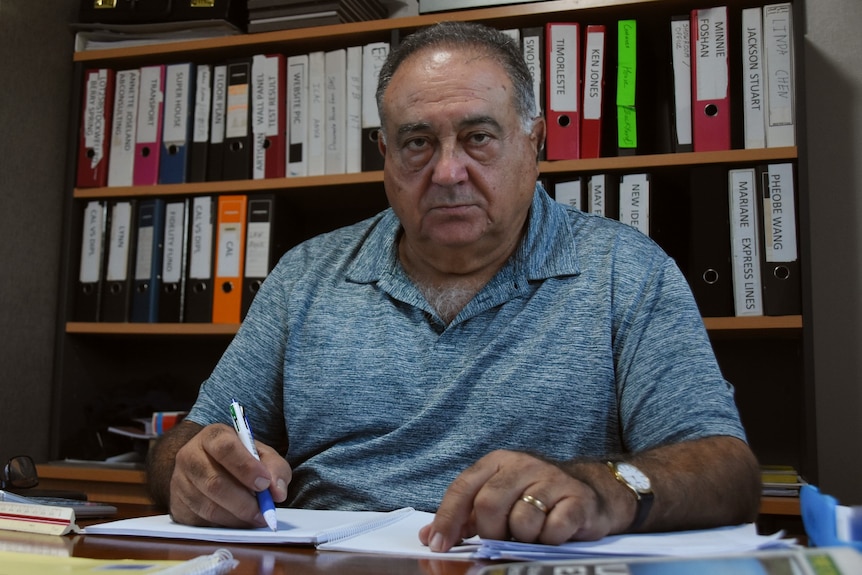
[{"x": 396, "y": 533}]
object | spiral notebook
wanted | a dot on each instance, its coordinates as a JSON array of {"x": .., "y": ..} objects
[
  {"x": 394, "y": 532},
  {"x": 295, "y": 526}
]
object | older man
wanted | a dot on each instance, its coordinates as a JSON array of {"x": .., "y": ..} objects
[{"x": 521, "y": 368}]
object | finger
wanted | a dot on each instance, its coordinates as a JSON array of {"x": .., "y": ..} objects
[
  {"x": 203, "y": 494},
  {"x": 528, "y": 516},
  {"x": 453, "y": 521},
  {"x": 496, "y": 500},
  {"x": 279, "y": 469},
  {"x": 224, "y": 446},
  {"x": 575, "y": 517}
]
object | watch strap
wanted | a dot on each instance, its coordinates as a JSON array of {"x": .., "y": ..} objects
[{"x": 643, "y": 500}]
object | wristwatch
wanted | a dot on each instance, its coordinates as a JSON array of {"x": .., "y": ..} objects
[{"x": 639, "y": 484}]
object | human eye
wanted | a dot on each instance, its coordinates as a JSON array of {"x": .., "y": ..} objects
[
  {"x": 416, "y": 144},
  {"x": 416, "y": 151},
  {"x": 479, "y": 138}
]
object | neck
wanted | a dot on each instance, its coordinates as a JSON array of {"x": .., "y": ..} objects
[{"x": 450, "y": 286}]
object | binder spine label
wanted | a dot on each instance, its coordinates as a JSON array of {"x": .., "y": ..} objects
[
  {"x": 229, "y": 249},
  {"x": 753, "y": 96},
  {"x": 564, "y": 68},
  {"x": 627, "y": 126},
  {"x": 273, "y": 106},
  {"x": 144, "y": 257},
  {"x": 118, "y": 253},
  {"x": 236, "y": 115},
  {"x": 778, "y": 29},
  {"x": 203, "y": 98},
  {"x": 177, "y": 86},
  {"x": 172, "y": 258},
  {"x": 779, "y": 214},
  {"x": 200, "y": 258},
  {"x": 91, "y": 244},
  {"x": 532, "y": 51},
  {"x": 257, "y": 249},
  {"x": 124, "y": 133},
  {"x": 374, "y": 55},
  {"x": 219, "y": 105},
  {"x": 596, "y": 194},
  {"x": 634, "y": 201},
  {"x": 151, "y": 100},
  {"x": 297, "y": 102},
  {"x": 594, "y": 75},
  {"x": 681, "y": 56},
  {"x": 569, "y": 193},
  {"x": 711, "y": 54},
  {"x": 94, "y": 118},
  {"x": 747, "y": 286}
]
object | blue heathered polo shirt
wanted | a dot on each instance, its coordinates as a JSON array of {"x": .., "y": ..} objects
[{"x": 588, "y": 342}]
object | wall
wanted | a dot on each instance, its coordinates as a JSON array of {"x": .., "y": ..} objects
[
  {"x": 833, "y": 69},
  {"x": 36, "y": 69}
]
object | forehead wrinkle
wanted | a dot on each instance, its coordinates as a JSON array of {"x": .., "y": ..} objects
[{"x": 467, "y": 122}]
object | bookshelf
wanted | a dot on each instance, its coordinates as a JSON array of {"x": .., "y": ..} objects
[{"x": 103, "y": 366}]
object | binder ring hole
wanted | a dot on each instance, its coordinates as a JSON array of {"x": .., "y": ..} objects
[
  {"x": 781, "y": 272},
  {"x": 199, "y": 287},
  {"x": 143, "y": 287},
  {"x": 227, "y": 287},
  {"x": 236, "y": 146},
  {"x": 267, "y": 143},
  {"x": 88, "y": 289},
  {"x": 115, "y": 289},
  {"x": 711, "y": 110},
  {"x": 710, "y": 276},
  {"x": 254, "y": 286},
  {"x": 564, "y": 121},
  {"x": 171, "y": 288},
  {"x": 173, "y": 149},
  {"x": 374, "y": 135},
  {"x": 145, "y": 151},
  {"x": 91, "y": 153}
]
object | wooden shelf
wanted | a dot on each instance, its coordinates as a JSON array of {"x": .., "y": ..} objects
[
  {"x": 779, "y": 505},
  {"x": 713, "y": 324},
  {"x": 98, "y": 328},
  {"x": 753, "y": 325},
  {"x": 110, "y": 484},
  {"x": 306, "y": 39},
  {"x": 625, "y": 163}
]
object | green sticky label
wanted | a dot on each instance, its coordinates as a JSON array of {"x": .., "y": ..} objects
[{"x": 627, "y": 133}]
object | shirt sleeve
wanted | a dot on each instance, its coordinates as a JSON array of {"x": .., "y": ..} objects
[
  {"x": 251, "y": 369},
  {"x": 669, "y": 382}
]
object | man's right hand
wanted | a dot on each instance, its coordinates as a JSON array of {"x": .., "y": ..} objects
[{"x": 205, "y": 476}]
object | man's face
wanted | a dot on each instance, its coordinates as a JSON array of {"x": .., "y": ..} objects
[{"x": 460, "y": 169}]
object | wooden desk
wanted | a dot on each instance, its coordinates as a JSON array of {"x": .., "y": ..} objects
[{"x": 257, "y": 559}]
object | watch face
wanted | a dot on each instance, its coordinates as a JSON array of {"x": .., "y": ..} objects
[{"x": 634, "y": 477}]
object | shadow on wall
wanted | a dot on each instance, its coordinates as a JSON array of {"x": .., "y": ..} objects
[{"x": 832, "y": 120}]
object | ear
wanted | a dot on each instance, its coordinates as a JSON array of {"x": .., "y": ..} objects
[
  {"x": 537, "y": 135},
  {"x": 381, "y": 145}
]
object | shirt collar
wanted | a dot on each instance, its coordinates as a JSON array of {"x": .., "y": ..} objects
[{"x": 547, "y": 250}]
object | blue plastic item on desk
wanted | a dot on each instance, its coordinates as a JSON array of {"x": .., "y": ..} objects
[{"x": 818, "y": 517}]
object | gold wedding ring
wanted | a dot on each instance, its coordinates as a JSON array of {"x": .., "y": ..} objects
[{"x": 535, "y": 503}]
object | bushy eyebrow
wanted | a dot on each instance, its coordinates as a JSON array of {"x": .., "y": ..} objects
[{"x": 468, "y": 122}]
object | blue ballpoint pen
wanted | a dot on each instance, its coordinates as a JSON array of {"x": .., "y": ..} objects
[{"x": 243, "y": 430}]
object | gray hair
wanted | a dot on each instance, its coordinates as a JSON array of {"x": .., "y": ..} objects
[{"x": 491, "y": 42}]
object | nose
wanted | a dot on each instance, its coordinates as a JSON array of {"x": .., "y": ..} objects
[{"x": 450, "y": 165}]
